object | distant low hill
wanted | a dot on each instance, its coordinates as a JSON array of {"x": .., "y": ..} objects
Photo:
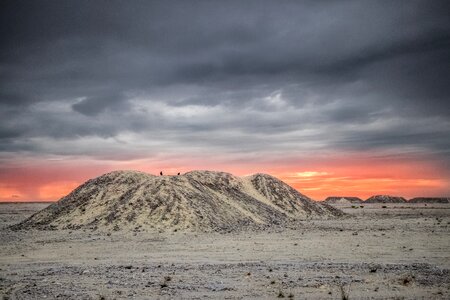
[
  {"x": 197, "y": 200},
  {"x": 385, "y": 199},
  {"x": 429, "y": 200},
  {"x": 343, "y": 200}
]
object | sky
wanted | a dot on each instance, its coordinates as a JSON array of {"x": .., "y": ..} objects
[{"x": 337, "y": 98}]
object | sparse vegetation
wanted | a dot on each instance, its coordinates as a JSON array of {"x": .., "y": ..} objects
[
  {"x": 345, "y": 292},
  {"x": 166, "y": 280},
  {"x": 159, "y": 273},
  {"x": 163, "y": 285},
  {"x": 407, "y": 280}
]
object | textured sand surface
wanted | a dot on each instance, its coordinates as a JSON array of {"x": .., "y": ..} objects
[
  {"x": 195, "y": 201},
  {"x": 398, "y": 252}
]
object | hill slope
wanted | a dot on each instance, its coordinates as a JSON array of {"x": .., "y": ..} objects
[
  {"x": 197, "y": 200},
  {"x": 385, "y": 199},
  {"x": 343, "y": 200},
  {"x": 429, "y": 200}
]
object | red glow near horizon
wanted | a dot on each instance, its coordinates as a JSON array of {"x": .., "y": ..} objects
[{"x": 343, "y": 176}]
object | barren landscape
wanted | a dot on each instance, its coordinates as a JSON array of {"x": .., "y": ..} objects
[
  {"x": 224, "y": 149},
  {"x": 397, "y": 252}
]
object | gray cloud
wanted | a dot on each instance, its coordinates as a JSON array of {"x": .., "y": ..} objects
[
  {"x": 92, "y": 106},
  {"x": 147, "y": 77}
]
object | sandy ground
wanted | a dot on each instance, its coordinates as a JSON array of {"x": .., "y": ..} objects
[{"x": 397, "y": 252}]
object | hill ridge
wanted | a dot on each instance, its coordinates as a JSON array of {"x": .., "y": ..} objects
[
  {"x": 343, "y": 200},
  {"x": 385, "y": 199}
]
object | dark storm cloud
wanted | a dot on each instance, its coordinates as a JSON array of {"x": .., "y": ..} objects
[
  {"x": 300, "y": 74},
  {"x": 92, "y": 106}
]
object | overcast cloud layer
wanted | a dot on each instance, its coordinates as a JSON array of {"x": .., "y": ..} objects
[{"x": 129, "y": 79}]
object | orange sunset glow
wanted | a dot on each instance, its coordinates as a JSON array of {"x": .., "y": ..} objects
[
  {"x": 331, "y": 106},
  {"x": 349, "y": 176}
]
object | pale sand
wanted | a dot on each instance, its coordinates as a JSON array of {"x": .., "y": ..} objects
[
  {"x": 194, "y": 201},
  {"x": 398, "y": 252}
]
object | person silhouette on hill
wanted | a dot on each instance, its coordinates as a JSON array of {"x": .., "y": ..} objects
[
  {"x": 178, "y": 173},
  {"x": 160, "y": 173}
]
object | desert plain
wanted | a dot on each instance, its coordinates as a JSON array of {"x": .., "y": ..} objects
[{"x": 399, "y": 251}]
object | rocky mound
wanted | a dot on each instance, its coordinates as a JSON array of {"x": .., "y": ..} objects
[
  {"x": 429, "y": 200},
  {"x": 198, "y": 200},
  {"x": 343, "y": 200},
  {"x": 385, "y": 199}
]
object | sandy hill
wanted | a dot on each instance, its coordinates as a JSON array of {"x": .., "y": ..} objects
[
  {"x": 343, "y": 200},
  {"x": 429, "y": 200},
  {"x": 385, "y": 199},
  {"x": 198, "y": 200}
]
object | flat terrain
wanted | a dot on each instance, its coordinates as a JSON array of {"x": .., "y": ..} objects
[{"x": 397, "y": 252}]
